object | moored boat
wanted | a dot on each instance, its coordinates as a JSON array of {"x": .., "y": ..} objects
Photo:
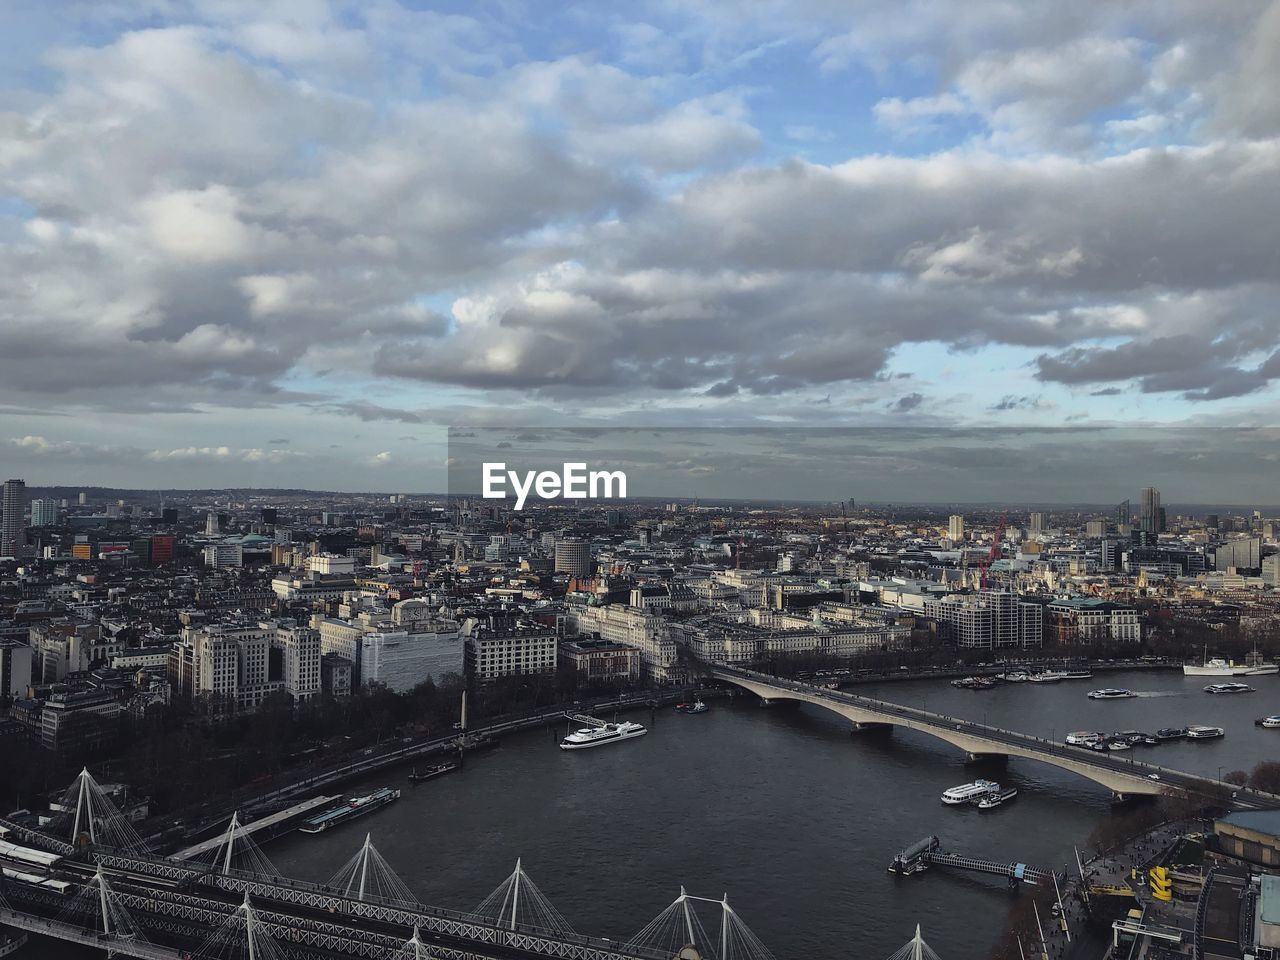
[
  {"x": 1198, "y": 732},
  {"x": 602, "y": 733},
  {"x": 430, "y": 773},
  {"x": 349, "y": 809}
]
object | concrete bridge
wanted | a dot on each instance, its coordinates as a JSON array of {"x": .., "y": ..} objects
[{"x": 1124, "y": 777}]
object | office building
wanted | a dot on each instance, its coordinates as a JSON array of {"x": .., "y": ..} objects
[
  {"x": 1095, "y": 529},
  {"x": 495, "y": 650},
  {"x": 573, "y": 557},
  {"x": 1036, "y": 524},
  {"x": 1151, "y": 519},
  {"x": 300, "y": 660},
  {"x": 955, "y": 528},
  {"x": 400, "y": 660},
  {"x": 15, "y": 668},
  {"x": 161, "y": 549},
  {"x": 1092, "y": 620},
  {"x": 44, "y": 513},
  {"x": 1271, "y": 570},
  {"x": 212, "y": 526},
  {"x": 601, "y": 661},
  {"x": 1242, "y": 554},
  {"x": 988, "y": 620},
  {"x": 13, "y": 506},
  {"x": 221, "y": 556}
]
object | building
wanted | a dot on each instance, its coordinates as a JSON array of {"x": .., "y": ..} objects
[
  {"x": 955, "y": 528},
  {"x": 494, "y": 650},
  {"x": 400, "y": 660},
  {"x": 634, "y": 627},
  {"x": 222, "y": 556},
  {"x": 13, "y": 505},
  {"x": 80, "y": 723},
  {"x": 1095, "y": 529},
  {"x": 300, "y": 660},
  {"x": 15, "y": 669},
  {"x": 601, "y": 661},
  {"x": 161, "y": 549},
  {"x": 988, "y": 620},
  {"x": 44, "y": 513},
  {"x": 1151, "y": 519},
  {"x": 1242, "y": 554},
  {"x": 1092, "y": 620},
  {"x": 335, "y": 676},
  {"x": 329, "y": 564},
  {"x": 1253, "y": 836},
  {"x": 1271, "y": 570},
  {"x": 1036, "y": 524},
  {"x": 573, "y": 557}
]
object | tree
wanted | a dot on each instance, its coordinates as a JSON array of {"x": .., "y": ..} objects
[
  {"x": 1266, "y": 777},
  {"x": 1237, "y": 777}
]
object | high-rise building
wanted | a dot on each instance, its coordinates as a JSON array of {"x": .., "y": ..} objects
[
  {"x": 44, "y": 513},
  {"x": 161, "y": 549},
  {"x": 15, "y": 669},
  {"x": 955, "y": 528},
  {"x": 211, "y": 525},
  {"x": 1036, "y": 524},
  {"x": 573, "y": 557},
  {"x": 1151, "y": 519},
  {"x": 169, "y": 516},
  {"x": 1122, "y": 514},
  {"x": 13, "y": 503}
]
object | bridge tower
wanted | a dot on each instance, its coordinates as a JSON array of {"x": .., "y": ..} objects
[
  {"x": 517, "y": 900},
  {"x": 368, "y": 874},
  {"x": 915, "y": 949}
]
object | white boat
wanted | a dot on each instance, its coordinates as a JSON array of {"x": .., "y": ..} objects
[
  {"x": 1228, "y": 688},
  {"x": 969, "y": 792},
  {"x": 1082, "y": 738},
  {"x": 599, "y": 736},
  {"x": 1017, "y": 676},
  {"x": 1203, "y": 733},
  {"x": 1111, "y": 693},
  {"x": 1047, "y": 676},
  {"x": 993, "y": 800},
  {"x": 1259, "y": 670},
  {"x": 1119, "y": 745},
  {"x": 1271, "y": 723},
  {"x": 1217, "y": 667}
]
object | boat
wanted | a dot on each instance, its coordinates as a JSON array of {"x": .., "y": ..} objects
[
  {"x": 1171, "y": 733},
  {"x": 1077, "y": 675},
  {"x": 1254, "y": 666},
  {"x": 1228, "y": 688},
  {"x": 1119, "y": 743},
  {"x": 1111, "y": 693},
  {"x": 1271, "y": 723},
  {"x": 430, "y": 773},
  {"x": 696, "y": 707},
  {"x": 968, "y": 792},
  {"x": 12, "y": 942},
  {"x": 1017, "y": 676},
  {"x": 602, "y": 733},
  {"x": 1203, "y": 733},
  {"x": 974, "y": 683},
  {"x": 994, "y": 799},
  {"x": 1047, "y": 676},
  {"x": 1082, "y": 738},
  {"x": 350, "y": 809},
  {"x": 1217, "y": 667}
]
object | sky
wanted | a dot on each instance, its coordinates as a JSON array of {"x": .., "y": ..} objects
[{"x": 290, "y": 243}]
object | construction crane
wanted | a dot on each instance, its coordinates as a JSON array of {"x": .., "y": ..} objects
[{"x": 994, "y": 553}]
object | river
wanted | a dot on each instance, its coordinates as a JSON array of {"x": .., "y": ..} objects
[{"x": 782, "y": 809}]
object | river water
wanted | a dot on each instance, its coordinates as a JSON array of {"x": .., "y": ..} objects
[{"x": 785, "y": 810}]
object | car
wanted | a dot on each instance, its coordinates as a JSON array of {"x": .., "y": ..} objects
[{"x": 1153, "y": 776}]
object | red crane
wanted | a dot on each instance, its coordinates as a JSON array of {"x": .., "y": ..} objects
[{"x": 994, "y": 553}]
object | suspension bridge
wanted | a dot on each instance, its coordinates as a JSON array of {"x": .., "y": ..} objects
[
  {"x": 1123, "y": 777},
  {"x": 88, "y": 878}
]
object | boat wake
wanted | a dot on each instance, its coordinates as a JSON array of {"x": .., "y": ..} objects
[{"x": 1156, "y": 694}]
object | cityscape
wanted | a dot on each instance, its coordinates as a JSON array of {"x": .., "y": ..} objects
[
  {"x": 192, "y": 678},
  {"x": 716, "y": 480}
]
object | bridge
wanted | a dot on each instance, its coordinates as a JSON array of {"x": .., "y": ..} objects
[{"x": 1124, "y": 777}]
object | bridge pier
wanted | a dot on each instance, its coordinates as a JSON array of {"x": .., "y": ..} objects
[{"x": 972, "y": 757}]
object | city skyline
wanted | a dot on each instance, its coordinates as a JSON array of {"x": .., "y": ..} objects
[{"x": 262, "y": 242}]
